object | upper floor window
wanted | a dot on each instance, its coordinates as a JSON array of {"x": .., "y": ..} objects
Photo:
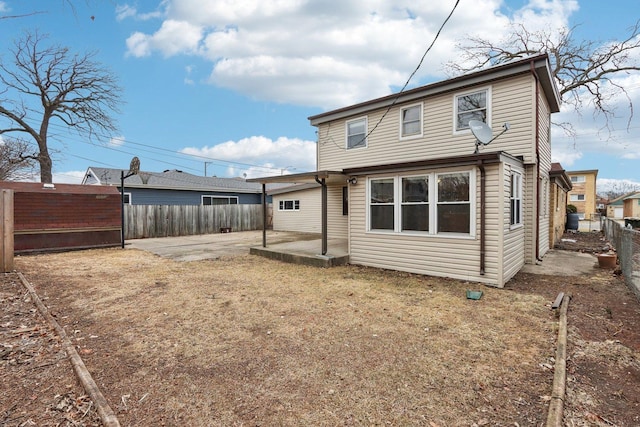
[
  {"x": 411, "y": 121},
  {"x": 219, "y": 200},
  {"x": 356, "y": 133},
  {"x": 289, "y": 205},
  {"x": 577, "y": 197},
  {"x": 578, "y": 178},
  {"x": 471, "y": 106}
]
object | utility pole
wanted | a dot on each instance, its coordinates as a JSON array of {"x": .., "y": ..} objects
[{"x": 205, "y": 167}]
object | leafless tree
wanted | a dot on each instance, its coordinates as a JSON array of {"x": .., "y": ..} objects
[
  {"x": 17, "y": 159},
  {"x": 45, "y": 84},
  {"x": 621, "y": 188},
  {"x": 586, "y": 71}
]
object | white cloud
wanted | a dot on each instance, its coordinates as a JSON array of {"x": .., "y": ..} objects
[
  {"x": 172, "y": 38},
  {"x": 126, "y": 11},
  {"x": 116, "y": 141},
  {"x": 566, "y": 155},
  {"x": 262, "y": 156},
  {"x": 3, "y": 7},
  {"x": 69, "y": 177},
  {"x": 546, "y": 14},
  {"x": 319, "y": 54}
]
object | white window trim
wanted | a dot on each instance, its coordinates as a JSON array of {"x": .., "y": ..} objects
[
  {"x": 127, "y": 195},
  {"x": 579, "y": 179},
  {"x": 433, "y": 205},
  {"x": 212, "y": 196},
  {"x": 294, "y": 202},
  {"x": 346, "y": 133},
  {"x": 486, "y": 89},
  {"x": 413, "y": 136},
  {"x": 576, "y": 198},
  {"x": 521, "y": 207}
]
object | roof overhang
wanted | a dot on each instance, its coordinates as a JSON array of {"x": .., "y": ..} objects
[
  {"x": 561, "y": 178},
  {"x": 466, "y": 160},
  {"x": 536, "y": 64},
  {"x": 330, "y": 177}
]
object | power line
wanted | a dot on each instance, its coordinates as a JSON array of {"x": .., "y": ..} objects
[
  {"x": 395, "y": 99},
  {"x": 220, "y": 162}
]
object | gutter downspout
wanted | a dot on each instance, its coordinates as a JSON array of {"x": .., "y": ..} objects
[
  {"x": 483, "y": 218},
  {"x": 537, "y": 80},
  {"x": 324, "y": 213}
]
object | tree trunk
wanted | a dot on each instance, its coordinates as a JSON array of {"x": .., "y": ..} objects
[
  {"x": 45, "y": 168},
  {"x": 44, "y": 158}
]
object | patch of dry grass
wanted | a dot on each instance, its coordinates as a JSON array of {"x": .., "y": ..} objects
[{"x": 249, "y": 341}]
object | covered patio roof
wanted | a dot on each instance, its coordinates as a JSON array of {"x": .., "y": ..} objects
[
  {"x": 330, "y": 177},
  {"x": 323, "y": 178}
]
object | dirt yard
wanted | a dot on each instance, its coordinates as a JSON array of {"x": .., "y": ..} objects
[{"x": 246, "y": 341}]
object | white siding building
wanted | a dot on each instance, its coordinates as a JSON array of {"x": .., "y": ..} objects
[{"x": 421, "y": 198}]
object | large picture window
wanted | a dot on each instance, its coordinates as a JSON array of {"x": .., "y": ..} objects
[
  {"x": 435, "y": 203},
  {"x": 471, "y": 106},
  {"x": 411, "y": 121},
  {"x": 515, "y": 198},
  {"x": 357, "y": 133}
]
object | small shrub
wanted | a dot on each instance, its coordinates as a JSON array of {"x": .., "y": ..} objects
[{"x": 571, "y": 209}]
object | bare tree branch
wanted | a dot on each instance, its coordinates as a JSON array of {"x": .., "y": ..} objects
[
  {"x": 586, "y": 71},
  {"x": 17, "y": 159},
  {"x": 70, "y": 88}
]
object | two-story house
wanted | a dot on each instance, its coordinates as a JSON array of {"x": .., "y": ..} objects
[
  {"x": 583, "y": 194},
  {"x": 400, "y": 177}
]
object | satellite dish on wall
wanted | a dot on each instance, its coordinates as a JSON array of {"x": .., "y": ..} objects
[{"x": 483, "y": 133}]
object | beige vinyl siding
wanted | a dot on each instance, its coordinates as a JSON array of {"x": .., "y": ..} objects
[
  {"x": 430, "y": 254},
  {"x": 511, "y": 101},
  {"x": 514, "y": 248},
  {"x": 308, "y": 219},
  {"x": 493, "y": 232},
  {"x": 544, "y": 126},
  {"x": 337, "y": 224},
  {"x": 529, "y": 212}
]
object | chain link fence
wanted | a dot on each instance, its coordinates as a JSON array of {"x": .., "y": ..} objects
[{"x": 627, "y": 243}]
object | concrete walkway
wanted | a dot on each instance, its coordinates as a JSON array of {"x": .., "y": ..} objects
[
  {"x": 297, "y": 247},
  {"x": 563, "y": 263},
  {"x": 212, "y": 246}
]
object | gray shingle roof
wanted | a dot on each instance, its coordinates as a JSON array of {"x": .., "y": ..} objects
[{"x": 170, "y": 179}]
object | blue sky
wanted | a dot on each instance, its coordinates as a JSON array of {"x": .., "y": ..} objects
[{"x": 229, "y": 84}]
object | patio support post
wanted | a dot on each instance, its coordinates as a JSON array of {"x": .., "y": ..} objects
[
  {"x": 264, "y": 215},
  {"x": 324, "y": 214}
]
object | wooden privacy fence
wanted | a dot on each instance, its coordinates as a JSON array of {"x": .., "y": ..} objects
[{"x": 143, "y": 221}]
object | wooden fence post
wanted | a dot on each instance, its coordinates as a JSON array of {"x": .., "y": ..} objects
[{"x": 6, "y": 226}]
